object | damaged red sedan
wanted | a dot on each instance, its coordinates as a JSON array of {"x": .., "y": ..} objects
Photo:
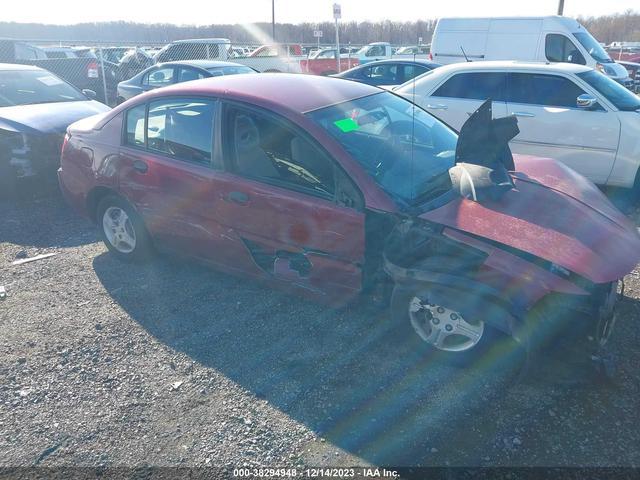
[{"x": 331, "y": 188}]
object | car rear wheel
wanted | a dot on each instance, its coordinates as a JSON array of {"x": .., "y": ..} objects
[
  {"x": 122, "y": 229},
  {"x": 450, "y": 336}
]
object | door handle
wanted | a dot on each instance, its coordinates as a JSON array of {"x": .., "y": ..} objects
[
  {"x": 240, "y": 198},
  {"x": 140, "y": 166},
  {"x": 438, "y": 106},
  {"x": 523, "y": 114}
]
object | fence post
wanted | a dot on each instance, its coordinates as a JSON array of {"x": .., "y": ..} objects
[{"x": 104, "y": 77}]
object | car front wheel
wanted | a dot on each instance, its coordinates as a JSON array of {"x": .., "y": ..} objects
[
  {"x": 122, "y": 229},
  {"x": 449, "y": 335}
]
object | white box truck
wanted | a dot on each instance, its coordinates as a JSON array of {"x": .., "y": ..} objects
[{"x": 536, "y": 39}]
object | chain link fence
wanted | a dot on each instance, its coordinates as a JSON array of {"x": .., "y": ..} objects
[{"x": 101, "y": 66}]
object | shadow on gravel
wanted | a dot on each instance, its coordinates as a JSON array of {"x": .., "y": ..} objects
[
  {"x": 344, "y": 373},
  {"x": 43, "y": 221}
]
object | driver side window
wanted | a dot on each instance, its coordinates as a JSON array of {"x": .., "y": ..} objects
[
  {"x": 559, "y": 48},
  {"x": 264, "y": 148},
  {"x": 159, "y": 78}
]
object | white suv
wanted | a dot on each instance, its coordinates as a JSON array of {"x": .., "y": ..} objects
[{"x": 571, "y": 113}]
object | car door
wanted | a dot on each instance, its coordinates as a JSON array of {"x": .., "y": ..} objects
[
  {"x": 169, "y": 169},
  {"x": 158, "y": 77},
  {"x": 298, "y": 215},
  {"x": 551, "y": 125},
  {"x": 460, "y": 95}
]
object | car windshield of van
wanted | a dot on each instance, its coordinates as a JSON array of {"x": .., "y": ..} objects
[
  {"x": 592, "y": 46},
  {"x": 407, "y": 151},
  {"x": 622, "y": 98},
  {"x": 25, "y": 87}
]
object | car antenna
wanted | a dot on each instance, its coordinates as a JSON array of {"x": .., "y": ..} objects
[
  {"x": 465, "y": 55},
  {"x": 413, "y": 117}
]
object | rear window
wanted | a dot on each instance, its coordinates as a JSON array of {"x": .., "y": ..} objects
[{"x": 476, "y": 86}]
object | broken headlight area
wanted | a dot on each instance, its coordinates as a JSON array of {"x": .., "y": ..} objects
[
  {"x": 15, "y": 154},
  {"x": 30, "y": 155}
]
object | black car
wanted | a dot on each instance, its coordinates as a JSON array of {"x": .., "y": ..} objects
[
  {"x": 388, "y": 73},
  {"x": 36, "y": 107}
]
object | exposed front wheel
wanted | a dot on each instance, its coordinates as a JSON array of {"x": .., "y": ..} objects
[
  {"x": 449, "y": 335},
  {"x": 122, "y": 230}
]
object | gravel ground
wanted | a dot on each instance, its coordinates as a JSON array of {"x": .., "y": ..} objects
[{"x": 106, "y": 364}]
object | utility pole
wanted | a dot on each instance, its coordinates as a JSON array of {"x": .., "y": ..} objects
[
  {"x": 560, "y": 7},
  {"x": 273, "y": 20}
]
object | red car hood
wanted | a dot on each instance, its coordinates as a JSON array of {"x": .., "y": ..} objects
[{"x": 555, "y": 214}]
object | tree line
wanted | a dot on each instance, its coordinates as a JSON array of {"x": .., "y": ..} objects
[{"x": 607, "y": 28}]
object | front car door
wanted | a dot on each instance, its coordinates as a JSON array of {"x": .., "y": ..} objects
[
  {"x": 158, "y": 77},
  {"x": 454, "y": 100},
  {"x": 551, "y": 125},
  {"x": 298, "y": 215}
]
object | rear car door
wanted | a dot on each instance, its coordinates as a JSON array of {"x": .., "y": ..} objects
[
  {"x": 296, "y": 212},
  {"x": 170, "y": 171},
  {"x": 460, "y": 95},
  {"x": 551, "y": 125}
]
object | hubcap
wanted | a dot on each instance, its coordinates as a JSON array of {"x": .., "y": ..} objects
[
  {"x": 442, "y": 327},
  {"x": 119, "y": 230}
]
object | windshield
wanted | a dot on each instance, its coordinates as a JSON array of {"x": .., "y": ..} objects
[
  {"x": 622, "y": 98},
  {"x": 24, "y": 87},
  {"x": 592, "y": 46},
  {"x": 406, "y": 151}
]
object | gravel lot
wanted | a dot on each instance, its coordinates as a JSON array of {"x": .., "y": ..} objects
[{"x": 106, "y": 364}]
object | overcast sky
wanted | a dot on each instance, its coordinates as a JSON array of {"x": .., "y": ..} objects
[{"x": 208, "y": 12}]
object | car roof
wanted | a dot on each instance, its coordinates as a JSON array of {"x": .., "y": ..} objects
[
  {"x": 202, "y": 63},
  {"x": 294, "y": 92},
  {"x": 417, "y": 61},
  {"x": 15, "y": 66},
  {"x": 203, "y": 40},
  {"x": 512, "y": 65}
]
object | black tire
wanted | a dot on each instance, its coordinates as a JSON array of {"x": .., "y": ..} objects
[
  {"x": 495, "y": 349},
  {"x": 143, "y": 248}
]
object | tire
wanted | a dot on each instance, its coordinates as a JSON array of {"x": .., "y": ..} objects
[
  {"x": 128, "y": 240},
  {"x": 493, "y": 346}
]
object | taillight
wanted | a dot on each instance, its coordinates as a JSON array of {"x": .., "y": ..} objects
[{"x": 92, "y": 70}]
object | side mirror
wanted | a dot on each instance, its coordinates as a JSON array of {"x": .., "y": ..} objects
[
  {"x": 586, "y": 101},
  {"x": 90, "y": 94}
]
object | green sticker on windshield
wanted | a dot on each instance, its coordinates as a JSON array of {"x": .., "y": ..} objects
[{"x": 347, "y": 125}]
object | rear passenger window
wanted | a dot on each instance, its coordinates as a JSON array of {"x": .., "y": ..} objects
[
  {"x": 475, "y": 86},
  {"x": 540, "y": 89},
  {"x": 559, "y": 48},
  {"x": 182, "y": 129},
  {"x": 135, "y": 126}
]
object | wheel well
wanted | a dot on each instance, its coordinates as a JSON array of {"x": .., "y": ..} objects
[{"x": 94, "y": 197}]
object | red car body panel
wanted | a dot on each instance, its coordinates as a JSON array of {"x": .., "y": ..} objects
[{"x": 567, "y": 221}]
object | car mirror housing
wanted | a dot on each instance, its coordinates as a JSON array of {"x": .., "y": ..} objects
[{"x": 586, "y": 101}]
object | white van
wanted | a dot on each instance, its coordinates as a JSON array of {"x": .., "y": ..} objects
[{"x": 536, "y": 39}]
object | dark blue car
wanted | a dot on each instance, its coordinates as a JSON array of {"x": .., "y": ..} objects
[{"x": 388, "y": 73}]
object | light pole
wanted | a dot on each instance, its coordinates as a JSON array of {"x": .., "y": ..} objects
[
  {"x": 273, "y": 20},
  {"x": 560, "y": 7},
  {"x": 337, "y": 13}
]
